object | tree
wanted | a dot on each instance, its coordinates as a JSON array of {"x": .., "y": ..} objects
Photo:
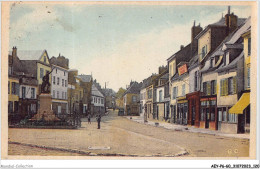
[{"x": 120, "y": 92}]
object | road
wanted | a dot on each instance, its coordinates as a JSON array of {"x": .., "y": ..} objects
[{"x": 122, "y": 137}]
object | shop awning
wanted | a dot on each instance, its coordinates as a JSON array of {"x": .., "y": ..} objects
[{"x": 242, "y": 103}]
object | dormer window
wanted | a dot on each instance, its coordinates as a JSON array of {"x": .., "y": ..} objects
[
  {"x": 203, "y": 51},
  {"x": 211, "y": 62},
  {"x": 44, "y": 59}
]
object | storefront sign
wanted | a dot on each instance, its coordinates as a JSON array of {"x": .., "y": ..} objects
[
  {"x": 206, "y": 99},
  {"x": 182, "y": 69}
]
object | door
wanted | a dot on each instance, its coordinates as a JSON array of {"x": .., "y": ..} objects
[
  {"x": 207, "y": 118},
  {"x": 193, "y": 115}
]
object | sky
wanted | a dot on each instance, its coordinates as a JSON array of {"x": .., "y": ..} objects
[{"x": 115, "y": 43}]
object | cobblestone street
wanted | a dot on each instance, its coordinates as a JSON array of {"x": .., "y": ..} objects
[{"x": 123, "y": 137}]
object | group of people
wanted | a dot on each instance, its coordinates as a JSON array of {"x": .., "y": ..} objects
[{"x": 98, "y": 118}]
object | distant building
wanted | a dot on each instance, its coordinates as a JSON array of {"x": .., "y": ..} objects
[
  {"x": 98, "y": 99},
  {"x": 110, "y": 98},
  {"x": 132, "y": 99},
  {"x": 86, "y": 82},
  {"x": 75, "y": 93},
  {"x": 60, "y": 66}
]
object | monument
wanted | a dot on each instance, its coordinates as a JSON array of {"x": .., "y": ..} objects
[{"x": 44, "y": 112}]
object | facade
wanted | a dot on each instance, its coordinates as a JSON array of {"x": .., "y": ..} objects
[
  {"x": 60, "y": 66},
  {"x": 75, "y": 93},
  {"x": 132, "y": 99},
  {"x": 180, "y": 87},
  {"x": 242, "y": 107},
  {"x": 110, "y": 98},
  {"x": 98, "y": 99},
  {"x": 28, "y": 96}
]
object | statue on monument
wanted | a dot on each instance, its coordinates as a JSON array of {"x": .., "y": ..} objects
[{"x": 45, "y": 87}]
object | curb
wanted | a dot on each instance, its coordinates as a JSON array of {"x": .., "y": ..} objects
[
  {"x": 86, "y": 153},
  {"x": 187, "y": 130}
]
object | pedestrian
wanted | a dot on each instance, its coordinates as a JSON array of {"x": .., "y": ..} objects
[
  {"x": 89, "y": 119},
  {"x": 98, "y": 120}
]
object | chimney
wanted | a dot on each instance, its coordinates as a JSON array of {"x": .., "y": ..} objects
[
  {"x": 14, "y": 52},
  {"x": 230, "y": 21},
  {"x": 195, "y": 30}
]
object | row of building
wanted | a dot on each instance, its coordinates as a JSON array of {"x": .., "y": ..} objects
[
  {"x": 206, "y": 84},
  {"x": 72, "y": 93}
]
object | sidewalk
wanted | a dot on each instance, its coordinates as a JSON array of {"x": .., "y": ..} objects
[{"x": 192, "y": 129}]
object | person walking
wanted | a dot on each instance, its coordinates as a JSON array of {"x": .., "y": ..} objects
[
  {"x": 89, "y": 119},
  {"x": 98, "y": 120}
]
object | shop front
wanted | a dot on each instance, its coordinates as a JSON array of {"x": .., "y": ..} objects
[
  {"x": 193, "y": 109},
  {"x": 182, "y": 110},
  {"x": 208, "y": 112}
]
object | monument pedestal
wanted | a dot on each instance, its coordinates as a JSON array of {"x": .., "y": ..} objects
[{"x": 44, "y": 112}]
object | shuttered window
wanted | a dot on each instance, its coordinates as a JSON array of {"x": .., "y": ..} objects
[
  {"x": 234, "y": 85},
  {"x": 208, "y": 88}
]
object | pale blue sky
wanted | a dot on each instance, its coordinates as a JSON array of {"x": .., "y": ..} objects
[{"x": 117, "y": 43}]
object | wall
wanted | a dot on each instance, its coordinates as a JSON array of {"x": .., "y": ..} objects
[
  {"x": 192, "y": 79},
  {"x": 247, "y": 61},
  {"x": 227, "y": 100},
  {"x": 172, "y": 68},
  {"x": 48, "y": 68},
  {"x": 28, "y": 91},
  {"x": 98, "y": 101},
  {"x": 157, "y": 93},
  {"x": 59, "y": 88},
  {"x": 12, "y": 97},
  {"x": 205, "y": 39}
]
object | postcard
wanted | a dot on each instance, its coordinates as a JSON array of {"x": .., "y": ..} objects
[{"x": 129, "y": 80}]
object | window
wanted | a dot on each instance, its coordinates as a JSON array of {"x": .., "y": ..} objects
[
  {"x": 8, "y": 87},
  {"x": 13, "y": 87},
  {"x": 208, "y": 88},
  {"x": 224, "y": 87},
  {"x": 230, "y": 85},
  {"x": 41, "y": 72},
  {"x": 62, "y": 95},
  {"x": 23, "y": 92},
  {"x": 53, "y": 79},
  {"x": 44, "y": 59},
  {"x": 203, "y": 52},
  {"x": 65, "y": 97},
  {"x": 174, "y": 91},
  {"x": 213, "y": 87},
  {"x": 58, "y": 81},
  {"x": 58, "y": 95},
  {"x": 232, "y": 118},
  {"x": 183, "y": 89},
  {"x": 150, "y": 94},
  {"x": 196, "y": 81},
  {"x": 224, "y": 116},
  {"x": 64, "y": 73},
  {"x": 10, "y": 107},
  {"x": 249, "y": 46},
  {"x": 32, "y": 93},
  {"x": 248, "y": 76},
  {"x": 204, "y": 87},
  {"x": 56, "y": 70},
  {"x": 65, "y": 83},
  {"x": 62, "y": 82},
  {"x": 53, "y": 93},
  {"x": 160, "y": 96},
  {"x": 211, "y": 62},
  {"x": 134, "y": 99}
]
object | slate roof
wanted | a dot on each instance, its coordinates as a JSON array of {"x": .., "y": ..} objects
[
  {"x": 184, "y": 52},
  {"x": 85, "y": 78},
  {"x": 165, "y": 76},
  {"x": 220, "y": 23},
  {"x": 29, "y": 54},
  {"x": 95, "y": 91},
  {"x": 134, "y": 88}
]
